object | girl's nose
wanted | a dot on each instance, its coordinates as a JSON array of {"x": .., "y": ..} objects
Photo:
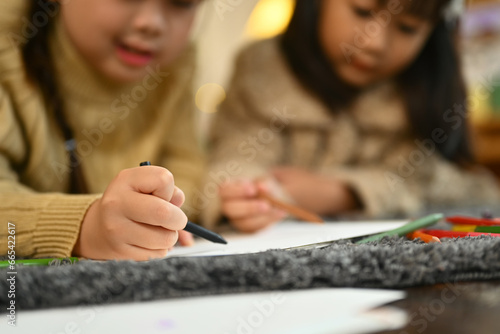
[
  {"x": 150, "y": 19},
  {"x": 378, "y": 41}
]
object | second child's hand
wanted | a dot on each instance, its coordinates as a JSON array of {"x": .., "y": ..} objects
[
  {"x": 246, "y": 210},
  {"x": 323, "y": 195}
]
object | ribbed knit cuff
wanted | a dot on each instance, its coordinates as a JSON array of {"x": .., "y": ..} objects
[
  {"x": 378, "y": 197},
  {"x": 58, "y": 225}
]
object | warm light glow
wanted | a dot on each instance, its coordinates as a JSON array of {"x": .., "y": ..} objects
[
  {"x": 269, "y": 18},
  {"x": 209, "y": 97},
  {"x": 480, "y": 107}
]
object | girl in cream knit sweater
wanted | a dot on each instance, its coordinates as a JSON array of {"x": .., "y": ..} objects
[{"x": 359, "y": 107}]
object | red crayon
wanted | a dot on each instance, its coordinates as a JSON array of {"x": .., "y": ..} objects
[
  {"x": 464, "y": 220},
  {"x": 457, "y": 234}
]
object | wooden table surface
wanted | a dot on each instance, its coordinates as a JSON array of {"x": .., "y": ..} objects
[{"x": 453, "y": 308}]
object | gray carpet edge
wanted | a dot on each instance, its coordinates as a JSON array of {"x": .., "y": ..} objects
[{"x": 388, "y": 264}]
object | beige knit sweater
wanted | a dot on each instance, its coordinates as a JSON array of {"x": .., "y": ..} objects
[
  {"x": 269, "y": 119},
  {"x": 115, "y": 126}
]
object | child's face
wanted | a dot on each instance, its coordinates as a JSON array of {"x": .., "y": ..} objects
[
  {"x": 123, "y": 38},
  {"x": 367, "y": 42}
]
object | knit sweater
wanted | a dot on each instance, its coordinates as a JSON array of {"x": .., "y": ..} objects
[
  {"x": 116, "y": 126},
  {"x": 270, "y": 119}
]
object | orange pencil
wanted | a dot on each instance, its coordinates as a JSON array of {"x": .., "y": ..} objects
[
  {"x": 292, "y": 209},
  {"x": 423, "y": 236}
]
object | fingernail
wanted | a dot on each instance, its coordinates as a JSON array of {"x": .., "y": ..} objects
[
  {"x": 264, "y": 207},
  {"x": 281, "y": 214},
  {"x": 250, "y": 189},
  {"x": 263, "y": 186}
]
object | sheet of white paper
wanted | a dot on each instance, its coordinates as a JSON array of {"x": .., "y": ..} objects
[
  {"x": 304, "y": 311},
  {"x": 285, "y": 235}
]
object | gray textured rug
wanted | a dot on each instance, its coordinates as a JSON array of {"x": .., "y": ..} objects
[{"x": 392, "y": 263}]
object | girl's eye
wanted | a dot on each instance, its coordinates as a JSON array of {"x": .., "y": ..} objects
[
  {"x": 361, "y": 12},
  {"x": 407, "y": 29},
  {"x": 187, "y": 4}
]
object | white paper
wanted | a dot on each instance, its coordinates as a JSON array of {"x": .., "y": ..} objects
[
  {"x": 285, "y": 235},
  {"x": 340, "y": 311}
]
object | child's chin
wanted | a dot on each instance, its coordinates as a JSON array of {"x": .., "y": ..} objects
[
  {"x": 126, "y": 75},
  {"x": 358, "y": 82}
]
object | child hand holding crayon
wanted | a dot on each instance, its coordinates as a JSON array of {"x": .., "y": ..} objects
[
  {"x": 253, "y": 205},
  {"x": 246, "y": 209}
]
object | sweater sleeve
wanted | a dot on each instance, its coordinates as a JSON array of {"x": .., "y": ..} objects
[
  {"x": 46, "y": 224},
  {"x": 402, "y": 188}
]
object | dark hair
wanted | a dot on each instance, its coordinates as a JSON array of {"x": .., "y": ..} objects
[
  {"x": 40, "y": 72},
  {"x": 431, "y": 85},
  {"x": 38, "y": 60}
]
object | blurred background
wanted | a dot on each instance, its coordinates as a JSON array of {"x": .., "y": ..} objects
[
  {"x": 225, "y": 26},
  {"x": 481, "y": 61}
]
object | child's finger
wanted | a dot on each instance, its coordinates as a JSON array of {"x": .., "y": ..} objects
[
  {"x": 150, "y": 237},
  {"x": 141, "y": 254},
  {"x": 178, "y": 197},
  {"x": 153, "y": 210},
  {"x": 238, "y": 189},
  {"x": 262, "y": 186},
  {"x": 259, "y": 222},
  {"x": 131, "y": 252},
  {"x": 238, "y": 209},
  {"x": 154, "y": 180}
]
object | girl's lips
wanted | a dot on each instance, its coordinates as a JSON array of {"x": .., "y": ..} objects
[
  {"x": 133, "y": 57},
  {"x": 362, "y": 66}
]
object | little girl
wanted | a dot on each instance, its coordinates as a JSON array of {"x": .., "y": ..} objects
[
  {"x": 88, "y": 90},
  {"x": 359, "y": 107}
]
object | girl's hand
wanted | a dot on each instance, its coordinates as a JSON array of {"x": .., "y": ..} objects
[
  {"x": 245, "y": 210},
  {"x": 138, "y": 217},
  {"x": 316, "y": 193}
]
